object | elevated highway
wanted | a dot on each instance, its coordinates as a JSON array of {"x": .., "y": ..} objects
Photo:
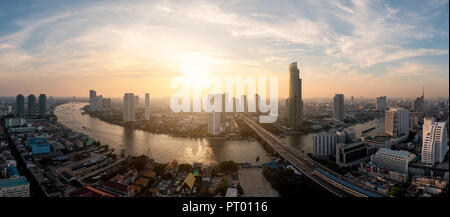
[{"x": 330, "y": 180}]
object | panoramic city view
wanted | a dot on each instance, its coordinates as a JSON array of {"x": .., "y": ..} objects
[{"x": 229, "y": 99}]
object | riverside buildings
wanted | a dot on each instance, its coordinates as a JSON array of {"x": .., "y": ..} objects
[
  {"x": 324, "y": 144},
  {"x": 295, "y": 110},
  {"x": 147, "y": 106},
  {"x": 338, "y": 107},
  {"x": 42, "y": 104},
  {"x": 128, "y": 107},
  {"x": 31, "y": 105}
]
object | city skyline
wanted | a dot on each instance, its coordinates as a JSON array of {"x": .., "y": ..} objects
[{"x": 59, "y": 51}]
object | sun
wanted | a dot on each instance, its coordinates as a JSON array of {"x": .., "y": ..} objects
[{"x": 195, "y": 69}]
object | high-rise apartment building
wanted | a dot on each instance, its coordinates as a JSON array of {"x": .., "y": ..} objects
[
  {"x": 42, "y": 104},
  {"x": 434, "y": 144},
  {"x": 92, "y": 95},
  {"x": 295, "y": 110},
  {"x": 31, "y": 104},
  {"x": 20, "y": 105},
  {"x": 381, "y": 103},
  {"x": 128, "y": 107},
  {"x": 419, "y": 103},
  {"x": 214, "y": 120},
  {"x": 338, "y": 107},
  {"x": 397, "y": 122},
  {"x": 147, "y": 106}
]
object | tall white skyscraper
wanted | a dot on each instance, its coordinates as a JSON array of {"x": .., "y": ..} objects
[
  {"x": 434, "y": 144},
  {"x": 214, "y": 119},
  {"x": 338, "y": 107},
  {"x": 397, "y": 122},
  {"x": 147, "y": 106},
  {"x": 128, "y": 107},
  {"x": 381, "y": 103}
]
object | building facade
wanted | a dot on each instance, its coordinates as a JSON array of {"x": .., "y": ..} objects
[
  {"x": 20, "y": 105},
  {"x": 128, "y": 107},
  {"x": 434, "y": 144},
  {"x": 295, "y": 109},
  {"x": 338, "y": 107},
  {"x": 393, "y": 159},
  {"x": 397, "y": 122},
  {"x": 31, "y": 104},
  {"x": 381, "y": 103},
  {"x": 147, "y": 106},
  {"x": 14, "y": 187},
  {"x": 42, "y": 104}
]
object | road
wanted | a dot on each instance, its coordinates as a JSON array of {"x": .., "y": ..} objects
[{"x": 339, "y": 186}]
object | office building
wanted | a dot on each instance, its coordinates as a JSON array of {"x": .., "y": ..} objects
[
  {"x": 419, "y": 103},
  {"x": 381, "y": 103},
  {"x": 295, "y": 110},
  {"x": 20, "y": 105},
  {"x": 351, "y": 154},
  {"x": 14, "y": 187},
  {"x": 31, "y": 104},
  {"x": 214, "y": 120},
  {"x": 38, "y": 145},
  {"x": 324, "y": 144},
  {"x": 42, "y": 104},
  {"x": 397, "y": 122},
  {"x": 392, "y": 159},
  {"x": 98, "y": 103},
  {"x": 128, "y": 107},
  {"x": 92, "y": 95},
  {"x": 434, "y": 144},
  {"x": 338, "y": 107},
  {"x": 147, "y": 106}
]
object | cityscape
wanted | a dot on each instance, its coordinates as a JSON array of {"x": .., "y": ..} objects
[{"x": 308, "y": 135}]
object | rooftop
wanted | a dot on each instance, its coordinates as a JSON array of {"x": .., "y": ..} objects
[{"x": 6, "y": 183}]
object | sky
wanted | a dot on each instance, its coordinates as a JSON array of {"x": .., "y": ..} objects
[{"x": 358, "y": 48}]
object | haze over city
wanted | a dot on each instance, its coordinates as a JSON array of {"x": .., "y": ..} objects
[{"x": 360, "y": 48}]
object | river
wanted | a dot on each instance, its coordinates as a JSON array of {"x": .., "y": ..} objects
[{"x": 165, "y": 148}]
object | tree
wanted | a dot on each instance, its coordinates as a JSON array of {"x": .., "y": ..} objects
[
  {"x": 222, "y": 188},
  {"x": 397, "y": 191},
  {"x": 230, "y": 166},
  {"x": 184, "y": 167},
  {"x": 240, "y": 190}
]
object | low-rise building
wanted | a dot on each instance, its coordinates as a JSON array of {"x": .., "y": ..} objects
[
  {"x": 14, "y": 187},
  {"x": 393, "y": 159}
]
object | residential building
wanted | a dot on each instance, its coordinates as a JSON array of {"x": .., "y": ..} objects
[
  {"x": 434, "y": 144},
  {"x": 20, "y": 105},
  {"x": 128, "y": 107},
  {"x": 147, "y": 106},
  {"x": 31, "y": 104},
  {"x": 338, "y": 107},
  {"x": 381, "y": 103},
  {"x": 42, "y": 104},
  {"x": 397, "y": 122}
]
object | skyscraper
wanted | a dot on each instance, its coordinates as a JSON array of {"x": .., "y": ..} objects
[
  {"x": 147, "y": 106},
  {"x": 128, "y": 107},
  {"x": 381, "y": 103},
  {"x": 434, "y": 144},
  {"x": 419, "y": 103},
  {"x": 92, "y": 95},
  {"x": 31, "y": 104},
  {"x": 214, "y": 119},
  {"x": 397, "y": 122},
  {"x": 295, "y": 111},
  {"x": 20, "y": 105},
  {"x": 42, "y": 104},
  {"x": 338, "y": 107}
]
